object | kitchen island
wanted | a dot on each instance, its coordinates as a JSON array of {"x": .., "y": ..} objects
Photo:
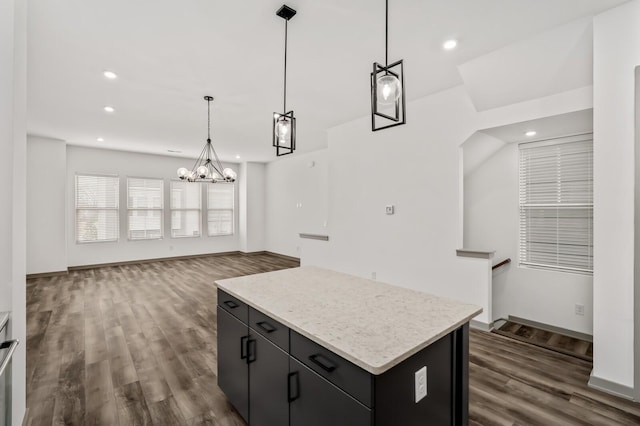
[{"x": 309, "y": 346}]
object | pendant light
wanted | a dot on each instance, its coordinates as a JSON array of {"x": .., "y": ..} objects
[
  {"x": 284, "y": 123},
  {"x": 387, "y": 88},
  {"x": 207, "y": 167}
]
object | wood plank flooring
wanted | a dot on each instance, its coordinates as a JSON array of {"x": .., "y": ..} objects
[
  {"x": 136, "y": 344},
  {"x": 546, "y": 339},
  {"x": 132, "y": 344}
]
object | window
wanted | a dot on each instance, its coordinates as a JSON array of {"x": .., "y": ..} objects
[
  {"x": 185, "y": 209},
  {"x": 96, "y": 208},
  {"x": 556, "y": 204},
  {"x": 145, "y": 203},
  {"x": 220, "y": 200}
]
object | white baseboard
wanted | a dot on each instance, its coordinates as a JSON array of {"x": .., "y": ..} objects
[
  {"x": 479, "y": 325},
  {"x": 611, "y": 387}
]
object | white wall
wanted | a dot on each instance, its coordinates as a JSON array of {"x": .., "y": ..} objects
[
  {"x": 616, "y": 53},
  {"x": 13, "y": 57},
  {"x": 46, "y": 206},
  {"x": 6, "y": 139},
  {"x": 252, "y": 207},
  {"x": 124, "y": 164},
  {"x": 491, "y": 221},
  {"x": 414, "y": 167},
  {"x": 296, "y": 200}
]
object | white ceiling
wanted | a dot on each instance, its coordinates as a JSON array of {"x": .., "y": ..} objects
[
  {"x": 548, "y": 63},
  {"x": 483, "y": 144},
  {"x": 169, "y": 54},
  {"x": 571, "y": 123}
]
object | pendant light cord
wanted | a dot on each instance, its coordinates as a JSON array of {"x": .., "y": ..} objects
[
  {"x": 208, "y": 120},
  {"x": 386, "y": 33},
  {"x": 286, "y": 24}
]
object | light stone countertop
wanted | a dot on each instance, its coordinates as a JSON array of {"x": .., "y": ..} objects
[{"x": 374, "y": 325}]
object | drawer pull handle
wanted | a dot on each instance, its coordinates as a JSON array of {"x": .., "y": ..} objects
[
  {"x": 244, "y": 347},
  {"x": 251, "y": 350},
  {"x": 291, "y": 386},
  {"x": 231, "y": 304},
  {"x": 323, "y": 362},
  {"x": 266, "y": 327}
]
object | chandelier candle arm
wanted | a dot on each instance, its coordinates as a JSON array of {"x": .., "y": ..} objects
[{"x": 204, "y": 169}]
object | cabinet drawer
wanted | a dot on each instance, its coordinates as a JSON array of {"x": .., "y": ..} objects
[
  {"x": 317, "y": 402},
  {"x": 344, "y": 374},
  {"x": 234, "y": 306},
  {"x": 269, "y": 328}
]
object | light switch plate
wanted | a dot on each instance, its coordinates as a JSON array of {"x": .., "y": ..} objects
[
  {"x": 421, "y": 384},
  {"x": 390, "y": 209}
]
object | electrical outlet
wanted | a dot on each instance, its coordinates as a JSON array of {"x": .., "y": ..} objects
[
  {"x": 421, "y": 383},
  {"x": 373, "y": 275},
  {"x": 579, "y": 309},
  {"x": 390, "y": 209}
]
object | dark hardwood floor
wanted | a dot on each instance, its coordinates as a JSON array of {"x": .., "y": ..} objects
[{"x": 136, "y": 344}]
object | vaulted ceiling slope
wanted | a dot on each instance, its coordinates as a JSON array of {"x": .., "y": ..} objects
[{"x": 168, "y": 54}]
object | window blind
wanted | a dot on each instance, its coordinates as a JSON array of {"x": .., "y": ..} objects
[
  {"x": 144, "y": 208},
  {"x": 556, "y": 204},
  {"x": 220, "y": 209},
  {"x": 185, "y": 209},
  {"x": 97, "y": 214}
]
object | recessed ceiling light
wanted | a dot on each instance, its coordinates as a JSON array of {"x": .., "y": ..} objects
[
  {"x": 109, "y": 108},
  {"x": 110, "y": 75},
  {"x": 237, "y": 157},
  {"x": 450, "y": 44},
  {"x": 531, "y": 133},
  {"x": 100, "y": 139}
]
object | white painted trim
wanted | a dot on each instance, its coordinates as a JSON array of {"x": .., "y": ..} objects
[
  {"x": 480, "y": 254},
  {"x": 611, "y": 387},
  {"x": 479, "y": 325}
]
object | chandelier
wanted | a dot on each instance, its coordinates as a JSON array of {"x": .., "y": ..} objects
[
  {"x": 207, "y": 167},
  {"x": 387, "y": 88}
]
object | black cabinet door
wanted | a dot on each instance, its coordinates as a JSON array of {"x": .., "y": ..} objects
[
  {"x": 316, "y": 402},
  {"x": 233, "y": 372},
  {"x": 268, "y": 370}
]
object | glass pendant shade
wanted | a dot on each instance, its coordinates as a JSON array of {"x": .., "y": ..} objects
[
  {"x": 202, "y": 172},
  {"x": 229, "y": 174},
  {"x": 183, "y": 172},
  {"x": 284, "y": 133},
  {"x": 283, "y": 130},
  {"x": 389, "y": 89}
]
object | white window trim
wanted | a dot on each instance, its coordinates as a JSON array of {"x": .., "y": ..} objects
[
  {"x": 199, "y": 210},
  {"x": 116, "y": 209},
  {"x": 232, "y": 209},
  {"x": 130, "y": 209},
  {"x": 555, "y": 268}
]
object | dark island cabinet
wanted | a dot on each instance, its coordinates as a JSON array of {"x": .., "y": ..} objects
[
  {"x": 233, "y": 374},
  {"x": 268, "y": 371},
  {"x": 275, "y": 376},
  {"x": 317, "y": 402}
]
